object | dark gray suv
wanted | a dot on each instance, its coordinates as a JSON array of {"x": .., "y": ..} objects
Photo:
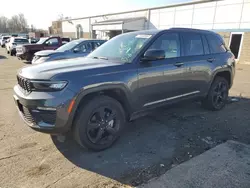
[{"x": 127, "y": 76}]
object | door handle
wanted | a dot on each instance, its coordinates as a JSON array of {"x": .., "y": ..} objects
[
  {"x": 210, "y": 60},
  {"x": 178, "y": 64}
]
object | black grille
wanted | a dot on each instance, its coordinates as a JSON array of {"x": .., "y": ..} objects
[
  {"x": 24, "y": 83},
  {"x": 27, "y": 115},
  {"x": 33, "y": 116}
]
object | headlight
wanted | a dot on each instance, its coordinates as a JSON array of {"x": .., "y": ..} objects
[
  {"x": 37, "y": 59},
  {"x": 48, "y": 85}
]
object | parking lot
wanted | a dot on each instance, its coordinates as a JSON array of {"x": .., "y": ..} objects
[{"x": 148, "y": 148}]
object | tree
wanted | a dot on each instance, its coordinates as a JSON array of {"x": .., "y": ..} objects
[
  {"x": 3, "y": 24},
  {"x": 17, "y": 23}
]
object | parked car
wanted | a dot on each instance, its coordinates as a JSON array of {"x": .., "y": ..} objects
[
  {"x": 26, "y": 52},
  {"x": 73, "y": 49},
  {"x": 12, "y": 44},
  {"x": 3, "y": 40},
  {"x": 122, "y": 80}
]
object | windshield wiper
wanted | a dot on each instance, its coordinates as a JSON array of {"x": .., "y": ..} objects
[{"x": 104, "y": 58}]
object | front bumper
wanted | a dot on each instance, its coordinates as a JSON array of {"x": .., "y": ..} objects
[
  {"x": 44, "y": 112},
  {"x": 22, "y": 56}
]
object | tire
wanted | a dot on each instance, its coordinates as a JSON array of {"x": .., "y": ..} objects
[
  {"x": 8, "y": 52},
  {"x": 217, "y": 95},
  {"x": 11, "y": 53},
  {"x": 86, "y": 133}
]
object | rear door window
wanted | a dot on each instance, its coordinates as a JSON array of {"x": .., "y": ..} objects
[
  {"x": 192, "y": 44},
  {"x": 216, "y": 44}
]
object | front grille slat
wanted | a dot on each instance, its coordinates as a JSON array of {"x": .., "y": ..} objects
[
  {"x": 41, "y": 116},
  {"x": 25, "y": 84}
]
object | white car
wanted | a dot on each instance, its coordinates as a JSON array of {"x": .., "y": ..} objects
[
  {"x": 14, "y": 41},
  {"x": 3, "y": 40}
]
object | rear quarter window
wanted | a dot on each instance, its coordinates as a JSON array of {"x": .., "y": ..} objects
[{"x": 216, "y": 44}]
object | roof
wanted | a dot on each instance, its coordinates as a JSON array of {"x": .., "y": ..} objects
[
  {"x": 156, "y": 31},
  {"x": 83, "y": 39},
  {"x": 119, "y": 21},
  {"x": 152, "y": 8},
  {"x": 190, "y": 29}
]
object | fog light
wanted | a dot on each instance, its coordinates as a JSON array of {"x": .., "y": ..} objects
[{"x": 46, "y": 108}]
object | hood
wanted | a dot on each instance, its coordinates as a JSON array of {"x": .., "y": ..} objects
[
  {"x": 46, "y": 52},
  {"x": 33, "y": 46},
  {"x": 48, "y": 70}
]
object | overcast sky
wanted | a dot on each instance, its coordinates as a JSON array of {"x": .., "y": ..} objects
[{"x": 41, "y": 13}]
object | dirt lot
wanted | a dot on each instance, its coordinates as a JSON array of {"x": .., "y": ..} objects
[{"x": 149, "y": 147}]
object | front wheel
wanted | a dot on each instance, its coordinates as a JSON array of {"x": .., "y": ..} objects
[
  {"x": 217, "y": 95},
  {"x": 99, "y": 123}
]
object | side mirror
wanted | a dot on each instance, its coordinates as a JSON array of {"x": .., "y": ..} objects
[
  {"x": 76, "y": 50},
  {"x": 152, "y": 55}
]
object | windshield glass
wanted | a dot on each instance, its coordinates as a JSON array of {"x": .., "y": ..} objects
[
  {"x": 5, "y": 38},
  {"x": 21, "y": 41},
  {"x": 123, "y": 47},
  {"x": 42, "y": 40},
  {"x": 68, "y": 46}
]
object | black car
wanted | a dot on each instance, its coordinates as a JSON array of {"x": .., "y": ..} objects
[{"x": 121, "y": 80}]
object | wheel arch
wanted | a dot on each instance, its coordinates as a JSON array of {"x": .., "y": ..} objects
[
  {"x": 119, "y": 93},
  {"x": 225, "y": 73}
]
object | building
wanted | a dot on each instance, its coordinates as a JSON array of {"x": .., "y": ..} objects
[
  {"x": 56, "y": 28},
  {"x": 230, "y": 18}
]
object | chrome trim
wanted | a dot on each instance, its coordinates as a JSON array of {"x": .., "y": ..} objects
[{"x": 171, "y": 98}]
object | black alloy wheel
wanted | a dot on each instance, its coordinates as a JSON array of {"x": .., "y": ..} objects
[
  {"x": 217, "y": 95},
  {"x": 99, "y": 123},
  {"x": 103, "y": 126},
  {"x": 220, "y": 94}
]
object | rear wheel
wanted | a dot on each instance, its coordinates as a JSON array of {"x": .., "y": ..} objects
[
  {"x": 99, "y": 123},
  {"x": 217, "y": 95}
]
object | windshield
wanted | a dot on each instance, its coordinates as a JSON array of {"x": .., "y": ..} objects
[
  {"x": 68, "y": 46},
  {"x": 123, "y": 47},
  {"x": 5, "y": 38},
  {"x": 21, "y": 41},
  {"x": 42, "y": 40}
]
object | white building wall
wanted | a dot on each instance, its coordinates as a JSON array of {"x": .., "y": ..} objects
[
  {"x": 219, "y": 15},
  {"x": 135, "y": 25},
  {"x": 227, "y": 14},
  {"x": 71, "y": 27},
  {"x": 119, "y": 16}
]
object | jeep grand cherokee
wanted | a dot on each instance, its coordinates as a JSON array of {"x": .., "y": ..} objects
[{"x": 125, "y": 77}]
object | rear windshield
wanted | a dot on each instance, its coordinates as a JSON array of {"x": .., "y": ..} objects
[{"x": 21, "y": 40}]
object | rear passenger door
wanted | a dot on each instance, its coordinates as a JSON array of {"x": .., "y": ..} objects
[{"x": 195, "y": 55}]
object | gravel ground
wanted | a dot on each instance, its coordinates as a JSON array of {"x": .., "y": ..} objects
[{"x": 148, "y": 148}]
